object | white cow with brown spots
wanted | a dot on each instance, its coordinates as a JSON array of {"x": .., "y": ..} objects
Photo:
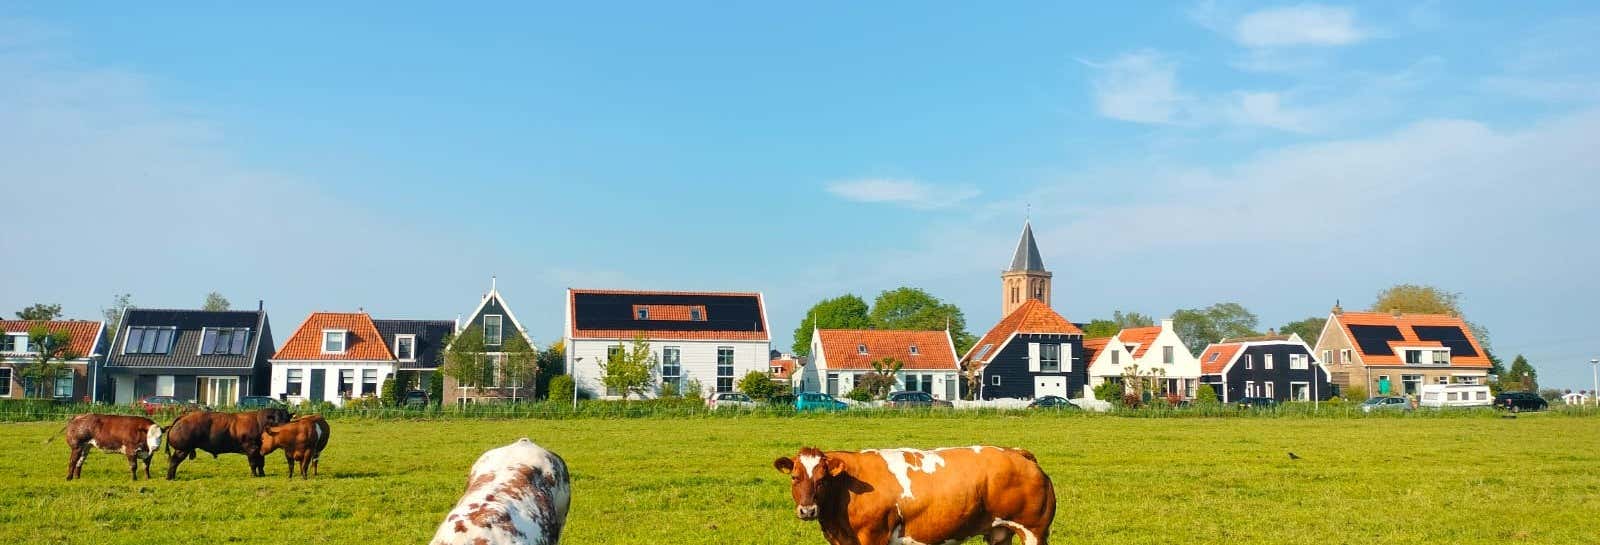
[
  {"x": 517, "y": 493},
  {"x": 922, "y": 497}
]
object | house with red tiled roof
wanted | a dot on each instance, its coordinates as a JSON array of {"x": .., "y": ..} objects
[
  {"x": 840, "y": 357},
  {"x": 75, "y": 379},
  {"x": 339, "y": 356},
  {"x": 782, "y": 368},
  {"x": 1148, "y": 351},
  {"x": 708, "y": 338},
  {"x": 1031, "y": 353},
  {"x": 1397, "y": 353},
  {"x": 1280, "y": 367}
]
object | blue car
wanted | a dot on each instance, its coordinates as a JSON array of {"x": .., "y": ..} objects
[{"x": 817, "y": 402}]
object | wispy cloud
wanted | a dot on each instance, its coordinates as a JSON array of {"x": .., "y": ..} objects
[
  {"x": 1301, "y": 25},
  {"x": 1266, "y": 109},
  {"x": 902, "y": 192},
  {"x": 1140, "y": 86}
]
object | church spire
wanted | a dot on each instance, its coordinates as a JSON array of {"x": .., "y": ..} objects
[
  {"x": 1027, "y": 277},
  {"x": 1026, "y": 257}
]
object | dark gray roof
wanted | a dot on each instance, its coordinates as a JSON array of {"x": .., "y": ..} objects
[
  {"x": 431, "y": 336},
  {"x": 1026, "y": 257},
  {"x": 186, "y": 341}
]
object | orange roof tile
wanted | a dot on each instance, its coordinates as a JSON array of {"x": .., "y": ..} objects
[
  {"x": 1405, "y": 323},
  {"x": 85, "y": 334},
  {"x": 1141, "y": 336},
  {"x": 680, "y": 313},
  {"x": 1217, "y": 356},
  {"x": 841, "y": 348},
  {"x": 786, "y": 367},
  {"x": 363, "y": 343},
  {"x": 1032, "y": 317}
]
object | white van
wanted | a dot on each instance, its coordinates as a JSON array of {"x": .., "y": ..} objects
[{"x": 1455, "y": 395}]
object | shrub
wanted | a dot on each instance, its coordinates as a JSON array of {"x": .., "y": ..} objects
[
  {"x": 1131, "y": 400},
  {"x": 758, "y": 385},
  {"x": 1108, "y": 391},
  {"x": 391, "y": 392},
  {"x": 436, "y": 387},
  {"x": 561, "y": 388},
  {"x": 692, "y": 389},
  {"x": 860, "y": 394},
  {"x": 1206, "y": 394},
  {"x": 1354, "y": 393}
]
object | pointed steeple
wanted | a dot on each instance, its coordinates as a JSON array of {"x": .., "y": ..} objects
[{"x": 1026, "y": 257}]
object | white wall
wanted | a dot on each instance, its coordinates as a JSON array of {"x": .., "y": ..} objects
[
  {"x": 330, "y": 385},
  {"x": 1184, "y": 365},
  {"x": 697, "y": 360}
]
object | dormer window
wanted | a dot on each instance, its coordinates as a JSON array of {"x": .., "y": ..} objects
[
  {"x": 334, "y": 341},
  {"x": 913, "y": 349},
  {"x": 1213, "y": 357},
  {"x": 696, "y": 315},
  {"x": 1419, "y": 356},
  {"x": 405, "y": 347},
  {"x": 223, "y": 341},
  {"x": 861, "y": 349},
  {"x": 643, "y": 313},
  {"x": 9, "y": 343}
]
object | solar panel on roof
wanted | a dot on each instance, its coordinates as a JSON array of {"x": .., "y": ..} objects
[
  {"x": 1374, "y": 339},
  {"x": 1448, "y": 335}
]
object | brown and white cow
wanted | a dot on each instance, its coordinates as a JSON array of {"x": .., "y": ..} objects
[
  {"x": 302, "y": 440},
  {"x": 221, "y": 433},
  {"x": 136, "y": 437},
  {"x": 922, "y": 497},
  {"x": 517, "y": 493}
]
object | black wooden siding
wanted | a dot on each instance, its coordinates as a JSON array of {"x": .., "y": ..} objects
[
  {"x": 1011, "y": 365},
  {"x": 1280, "y": 375}
]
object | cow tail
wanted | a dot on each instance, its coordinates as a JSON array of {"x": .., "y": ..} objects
[{"x": 63, "y": 430}]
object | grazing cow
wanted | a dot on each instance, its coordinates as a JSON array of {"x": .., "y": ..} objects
[
  {"x": 136, "y": 437},
  {"x": 302, "y": 440},
  {"x": 517, "y": 493},
  {"x": 906, "y": 496},
  {"x": 221, "y": 433}
]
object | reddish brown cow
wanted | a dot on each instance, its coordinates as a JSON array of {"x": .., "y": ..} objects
[
  {"x": 302, "y": 440},
  {"x": 136, "y": 437},
  {"x": 905, "y": 496},
  {"x": 221, "y": 433}
]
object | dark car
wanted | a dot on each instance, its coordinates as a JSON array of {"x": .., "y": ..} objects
[
  {"x": 910, "y": 399},
  {"x": 165, "y": 404},
  {"x": 1257, "y": 403},
  {"x": 1520, "y": 401},
  {"x": 258, "y": 402},
  {"x": 1052, "y": 402},
  {"x": 414, "y": 399}
]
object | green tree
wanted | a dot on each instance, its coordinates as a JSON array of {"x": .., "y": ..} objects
[
  {"x": 552, "y": 361},
  {"x": 631, "y": 370},
  {"x": 1109, "y": 391},
  {"x": 1205, "y": 395},
  {"x": 519, "y": 365},
  {"x": 561, "y": 388},
  {"x": 1419, "y": 299},
  {"x": 1308, "y": 329},
  {"x": 913, "y": 308},
  {"x": 113, "y": 314},
  {"x": 464, "y": 358},
  {"x": 1102, "y": 328},
  {"x": 1521, "y": 376},
  {"x": 215, "y": 301},
  {"x": 843, "y": 312},
  {"x": 880, "y": 381},
  {"x": 40, "y": 311},
  {"x": 52, "y": 349},
  {"x": 391, "y": 391},
  {"x": 758, "y": 385},
  {"x": 1199, "y": 327},
  {"x": 436, "y": 387}
]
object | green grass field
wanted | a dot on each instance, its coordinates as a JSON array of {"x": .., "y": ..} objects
[{"x": 1534, "y": 479}]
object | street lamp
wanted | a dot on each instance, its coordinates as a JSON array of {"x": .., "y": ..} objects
[
  {"x": 1594, "y": 365},
  {"x": 574, "y": 373}
]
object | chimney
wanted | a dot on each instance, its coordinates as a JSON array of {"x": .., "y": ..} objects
[
  {"x": 1272, "y": 332},
  {"x": 261, "y": 305},
  {"x": 1166, "y": 323},
  {"x": 1337, "y": 310}
]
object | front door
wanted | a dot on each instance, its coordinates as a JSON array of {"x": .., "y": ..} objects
[
  {"x": 318, "y": 379},
  {"x": 1049, "y": 386}
]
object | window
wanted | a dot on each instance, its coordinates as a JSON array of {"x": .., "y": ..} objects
[
  {"x": 695, "y": 315},
  {"x": 1327, "y": 356},
  {"x": 643, "y": 313},
  {"x": 724, "y": 369},
  {"x": 8, "y": 343},
  {"x": 1468, "y": 380},
  {"x": 1049, "y": 358},
  {"x": 5, "y": 382},
  {"x": 1344, "y": 356},
  {"x": 1015, "y": 294},
  {"x": 223, "y": 341},
  {"x": 911, "y": 383},
  {"x": 405, "y": 347},
  {"x": 1300, "y": 391},
  {"x": 1116, "y": 357},
  {"x": 296, "y": 381},
  {"x": 491, "y": 372},
  {"x": 1269, "y": 384},
  {"x": 671, "y": 369},
  {"x": 347, "y": 382},
  {"x": 64, "y": 383},
  {"x": 333, "y": 341},
  {"x": 1411, "y": 383},
  {"x": 950, "y": 388},
  {"x": 1166, "y": 354},
  {"x": 1441, "y": 380},
  {"x": 861, "y": 349},
  {"x": 219, "y": 391},
  {"x": 369, "y": 382},
  {"x": 927, "y": 384},
  {"x": 491, "y": 329},
  {"x": 1413, "y": 357},
  {"x": 994, "y": 380},
  {"x": 833, "y": 384},
  {"x": 1248, "y": 363},
  {"x": 1299, "y": 361},
  {"x": 1441, "y": 357},
  {"x": 1266, "y": 361},
  {"x": 913, "y": 349},
  {"x": 1249, "y": 388},
  {"x": 1214, "y": 356},
  {"x": 148, "y": 340}
]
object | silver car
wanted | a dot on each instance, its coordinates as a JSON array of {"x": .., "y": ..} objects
[{"x": 1385, "y": 403}]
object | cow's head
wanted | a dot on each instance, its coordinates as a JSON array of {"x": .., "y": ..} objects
[
  {"x": 273, "y": 416},
  {"x": 152, "y": 442},
  {"x": 809, "y": 472}
]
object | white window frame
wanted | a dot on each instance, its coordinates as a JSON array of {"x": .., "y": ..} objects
[
  {"x": 410, "y": 337},
  {"x": 994, "y": 380},
  {"x": 861, "y": 349},
  {"x": 1250, "y": 388},
  {"x": 641, "y": 313},
  {"x": 1168, "y": 354},
  {"x": 499, "y": 329},
  {"x": 913, "y": 349},
  {"x": 1327, "y": 356},
  {"x": 1306, "y": 389},
  {"x": 344, "y": 341},
  {"x": 16, "y": 341},
  {"x": 1344, "y": 356},
  {"x": 1299, "y": 361},
  {"x": 1267, "y": 389},
  {"x": 696, "y": 314},
  {"x": 1266, "y": 361},
  {"x": 1042, "y": 348},
  {"x": 290, "y": 380},
  {"x": 1249, "y": 362},
  {"x": 6, "y": 375},
  {"x": 1116, "y": 357},
  {"x": 377, "y": 381}
]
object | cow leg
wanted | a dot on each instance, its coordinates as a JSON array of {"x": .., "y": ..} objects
[
  {"x": 173, "y": 460},
  {"x": 305, "y": 462},
  {"x": 289, "y": 460},
  {"x": 258, "y": 465},
  {"x": 133, "y": 465},
  {"x": 72, "y": 462},
  {"x": 147, "y": 465}
]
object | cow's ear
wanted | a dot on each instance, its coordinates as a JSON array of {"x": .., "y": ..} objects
[
  {"x": 783, "y": 464},
  {"x": 835, "y": 467}
]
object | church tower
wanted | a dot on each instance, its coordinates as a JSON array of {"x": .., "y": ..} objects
[{"x": 1026, "y": 279}]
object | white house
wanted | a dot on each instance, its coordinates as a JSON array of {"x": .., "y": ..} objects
[
  {"x": 839, "y": 357},
  {"x": 338, "y": 356},
  {"x": 1153, "y": 348},
  {"x": 713, "y": 338}
]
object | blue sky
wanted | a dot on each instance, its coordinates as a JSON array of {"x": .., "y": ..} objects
[{"x": 393, "y": 157}]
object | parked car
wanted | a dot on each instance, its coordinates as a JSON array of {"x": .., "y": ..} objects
[
  {"x": 1439, "y": 396},
  {"x": 913, "y": 399},
  {"x": 1520, "y": 401},
  {"x": 729, "y": 400},
  {"x": 1052, "y": 402},
  {"x": 415, "y": 399},
  {"x": 165, "y": 404},
  {"x": 1385, "y": 403},
  {"x": 814, "y": 401},
  {"x": 257, "y": 402},
  {"x": 1257, "y": 403}
]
